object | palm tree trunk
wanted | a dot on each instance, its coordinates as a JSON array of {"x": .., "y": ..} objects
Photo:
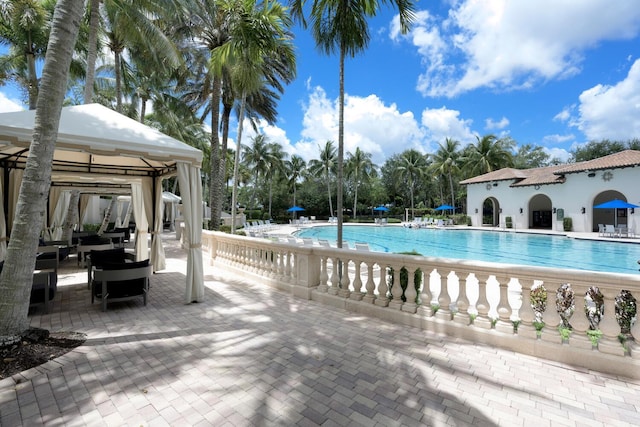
[
  {"x": 71, "y": 218},
  {"x": 92, "y": 51},
  {"x": 17, "y": 275},
  {"x": 118, "y": 73},
  {"x": 33, "y": 80},
  {"x": 453, "y": 199},
  {"x": 355, "y": 200},
  {"x": 107, "y": 215},
  {"x": 236, "y": 164},
  {"x": 329, "y": 193},
  {"x": 216, "y": 173},
  {"x": 339, "y": 189}
]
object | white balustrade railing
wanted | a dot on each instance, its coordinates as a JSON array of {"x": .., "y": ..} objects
[{"x": 487, "y": 303}]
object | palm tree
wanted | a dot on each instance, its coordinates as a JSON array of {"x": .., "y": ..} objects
[
  {"x": 294, "y": 169},
  {"x": 127, "y": 26},
  {"x": 211, "y": 24},
  {"x": 257, "y": 33},
  {"x": 445, "y": 163},
  {"x": 17, "y": 275},
  {"x": 341, "y": 26},
  {"x": 325, "y": 167},
  {"x": 23, "y": 26},
  {"x": 275, "y": 168},
  {"x": 257, "y": 157},
  {"x": 359, "y": 167},
  {"x": 488, "y": 154},
  {"x": 413, "y": 166}
]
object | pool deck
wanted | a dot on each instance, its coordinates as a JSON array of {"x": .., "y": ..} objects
[{"x": 249, "y": 355}]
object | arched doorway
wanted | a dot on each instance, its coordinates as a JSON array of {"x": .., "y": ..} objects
[
  {"x": 608, "y": 216},
  {"x": 540, "y": 215},
  {"x": 491, "y": 212}
]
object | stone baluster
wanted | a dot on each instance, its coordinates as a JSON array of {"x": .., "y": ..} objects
[
  {"x": 396, "y": 289},
  {"x": 383, "y": 289},
  {"x": 410, "y": 293},
  {"x": 552, "y": 319},
  {"x": 344, "y": 291},
  {"x": 609, "y": 342},
  {"x": 462, "y": 313},
  {"x": 482, "y": 319},
  {"x": 370, "y": 286},
  {"x": 357, "y": 293},
  {"x": 504, "y": 323},
  {"x": 282, "y": 259},
  {"x": 526, "y": 329},
  {"x": 444, "y": 300},
  {"x": 425, "y": 309},
  {"x": 324, "y": 276},
  {"x": 335, "y": 281},
  {"x": 579, "y": 321}
]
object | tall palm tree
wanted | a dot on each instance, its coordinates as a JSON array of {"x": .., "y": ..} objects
[
  {"x": 257, "y": 34},
  {"x": 275, "y": 169},
  {"x": 341, "y": 26},
  {"x": 359, "y": 167},
  {"x": 256, "y": 156},
  {"x": 294, "y": 168},
  {"x": 488, "y": 154},
  {"x": 17, "y": 275},
  {"x": 445, "y": 162},
  {"x": 210, "y": 23},
  {"x": 24, "y": 27},
  {"x": 412, "y": 167},
  {"x": 325, "y": 167}
]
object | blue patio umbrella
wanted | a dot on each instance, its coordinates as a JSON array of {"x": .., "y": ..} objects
[
  {"x": 445, "y": 208},
  {"x": 295, "y": 209},
  {"x": 615, "y": 204},
  {"x": 381, "y": 208}
]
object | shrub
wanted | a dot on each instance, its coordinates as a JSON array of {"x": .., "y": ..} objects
[
  {"x": 508, "y": 222},
  {"x": 567, "y": 224}
]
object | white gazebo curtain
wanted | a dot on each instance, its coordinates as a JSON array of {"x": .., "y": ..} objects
[
  {"x": 191, "y": 193},
  {"x": 138, "y": 200},
  {"x": 84, "y": 203},
  {"x": 58, "y": 206},
  {"x": 157, "y": 250}
]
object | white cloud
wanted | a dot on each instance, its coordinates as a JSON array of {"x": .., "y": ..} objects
[
  {"x": 557, "y": 153},
  {"x": 507, "y": 45},
  {"x": 559, "y": 139},
  {"x": 374, "y": 127},
  {"x": 442, "y": 123},
  {"x": 611, "y": 112},
  {"x": 8, "y": 105},
  {"x": 490, "y": 124}
]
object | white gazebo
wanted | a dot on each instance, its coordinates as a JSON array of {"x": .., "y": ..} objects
[{"x": 99, "y": 151}]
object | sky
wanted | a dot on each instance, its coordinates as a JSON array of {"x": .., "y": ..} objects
[{"x": 551, "y": 73}]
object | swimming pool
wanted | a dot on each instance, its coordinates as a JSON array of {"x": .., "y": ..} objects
[{"x": 492, "y": 246}]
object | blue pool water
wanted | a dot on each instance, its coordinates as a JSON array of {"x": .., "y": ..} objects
[{"x": 492, "y": 246}]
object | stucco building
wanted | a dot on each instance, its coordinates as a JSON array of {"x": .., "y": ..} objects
[{"x": 540, "y": 198}]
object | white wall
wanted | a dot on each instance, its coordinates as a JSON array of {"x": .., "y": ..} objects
[{"x": 578, "y": 191}]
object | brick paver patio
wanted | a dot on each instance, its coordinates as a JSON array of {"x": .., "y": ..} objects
[{"x": 253, "y": 356}]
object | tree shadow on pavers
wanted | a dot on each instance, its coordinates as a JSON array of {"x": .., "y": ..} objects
[{"x": 250, "y": 356}]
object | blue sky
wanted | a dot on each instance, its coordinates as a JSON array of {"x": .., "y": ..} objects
[{"x": 555, "y": 73}]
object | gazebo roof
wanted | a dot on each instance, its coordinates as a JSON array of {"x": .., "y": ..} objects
[{"x": 95, "y": 140}]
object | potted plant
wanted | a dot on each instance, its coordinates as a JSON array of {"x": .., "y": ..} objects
[{"x": 508, "y": 222}]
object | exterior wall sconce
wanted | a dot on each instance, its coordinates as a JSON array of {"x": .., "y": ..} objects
[
  {"x": 633, "y": 210},
  {"x": 591, "y": 174},
  {"x": 554, "y": 210},
  {"x": 500, "y": 210},
  {"x": 495, "y": 184},
  {"x": 521, "y": 210},
  {"x": 583, "y": 210},
  {"x": 476, "y": 210}
]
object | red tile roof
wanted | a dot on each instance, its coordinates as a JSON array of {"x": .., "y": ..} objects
[{"x": 555, "y": 174}]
